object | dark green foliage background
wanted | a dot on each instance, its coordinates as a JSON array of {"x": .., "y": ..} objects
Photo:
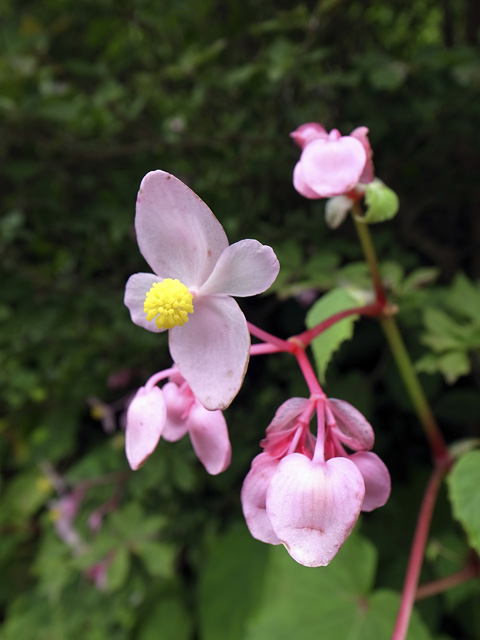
[{"x": 95, "y": 94}]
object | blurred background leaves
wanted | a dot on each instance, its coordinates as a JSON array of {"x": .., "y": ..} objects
[{"x": 92, "y": 96}]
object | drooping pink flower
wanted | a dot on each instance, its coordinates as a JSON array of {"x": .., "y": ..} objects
[
  {"x": 331, "y": 164},
  {"x": 313, "y": 506},
  {"x": 196, "y": 273},
  {"x": 307, "y": 492},
  {"x": 171, "y": 413}
]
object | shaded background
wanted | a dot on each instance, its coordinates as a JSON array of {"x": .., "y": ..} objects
[{"x": 92, "y": 96}]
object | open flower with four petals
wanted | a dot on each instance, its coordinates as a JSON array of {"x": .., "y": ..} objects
[{"x": 196, "y": 273}]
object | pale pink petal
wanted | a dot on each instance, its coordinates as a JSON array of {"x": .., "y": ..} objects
[
  {"x": 178, "y": 402},
  {"x": 307, "y": 132},
  {"x": 212, "y": 349},
  {"x": 354, "y": 430},
  {"x": 253, "y": 497},
  {"x": 301, "y": 185},
  {"x": 376, "y": 477},
  {"x": 209, "y": 435},
  {"x": 361, "y": 134},
  {"x": 177, "y": 233},
  {"x": 313, "y": 506},
  {"x": 244, "y": 269},
  {"x": 336, "y": 210},
  {"x": 145, "y": 421},
  {"x": 137, "y": 288},
  {"x": 332, "y": 168}
]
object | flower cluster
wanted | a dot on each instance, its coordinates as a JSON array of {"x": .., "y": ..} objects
[
  {"x": 171, "y": 413},
  {"x": 307, "y": 492},
  {"x": 304, "y": 491}
]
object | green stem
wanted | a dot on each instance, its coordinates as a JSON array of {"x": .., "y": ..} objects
[
  {"x": 398, "y": 349},
  {"x": 369, "y": 252},
  {"x": 414, "y": 388}
]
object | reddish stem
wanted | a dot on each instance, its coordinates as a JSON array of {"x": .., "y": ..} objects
[
  {"x": 263, "y": 348},
  {"x": 472, "y": 570},
  {"x": 416, "y": 553},
  {"x": 374, "y": 309},
  {"x": 283, "y": 345},
  {"x": 307, "y": 370}
]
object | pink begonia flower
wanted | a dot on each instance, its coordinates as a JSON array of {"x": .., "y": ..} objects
[
  {"x": 196, "y": 273},
  {"x": 171, "y": 413},
  {"x": 331, "y": 164},
  {"x": 307, "y": 492},
  {"x": 314, "y": 505}
]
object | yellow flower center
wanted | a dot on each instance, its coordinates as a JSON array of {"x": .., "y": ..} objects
[{"x": 169, "y": 302}]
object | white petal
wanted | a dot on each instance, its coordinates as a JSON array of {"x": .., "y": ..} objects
[
  {"x": 145, "y": 421},
  {"x": 314, "y": 506},
  {"x": 137, "y": 288},
  {"x": 244, "y": 269},
  {"x": 336, "y": 210},
  {"x": 211, "y": 350},
  {"x": 177, "y": 233},
  {"x": 254, "y": 496},
  {"x": 209, "y": 435}
]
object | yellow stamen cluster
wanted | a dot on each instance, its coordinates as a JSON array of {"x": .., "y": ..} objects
[{"x": 169, "y": 302}]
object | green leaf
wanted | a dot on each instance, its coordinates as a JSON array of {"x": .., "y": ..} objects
[
  {"x": 325, "y": 345},
  {"x": 168, "y": 619},
  {"x": 231, "y": 585},
  {"x": 25, "y": 494},
  {"x": 463, "y": 485},
  {"x": 443, "y": 333},
  {"x": 453, "y": 365},
  {"x": 382, "y": 202},
  {"x": 117, "y": 571},
  {"x": 464, "y": 298},
  {"x": 380, "y": 618},
  {"x": 157, "y": 557},
  {"x": 388, "y": 75},
  {"x": 333, "y": 601},
  {"x": 420, "y": 277}
]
